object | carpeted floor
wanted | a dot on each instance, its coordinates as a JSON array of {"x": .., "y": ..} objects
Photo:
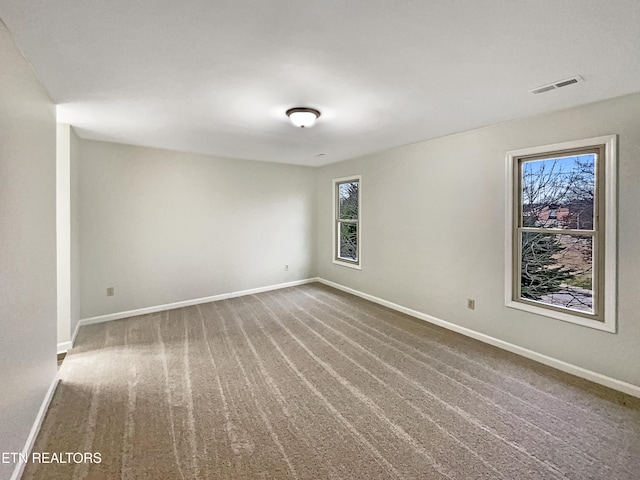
[{"x": 311, "y": 383}]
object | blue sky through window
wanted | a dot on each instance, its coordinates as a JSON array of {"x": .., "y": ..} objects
[{"x": 562, "y": 164}]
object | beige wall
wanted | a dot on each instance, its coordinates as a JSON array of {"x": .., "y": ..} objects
[
  {"x": 75, "y": 231},
  {"x": 433, "y": 233},
  {"x": 68, "y": 232},
  {"x": 27, "y": 247},
  {"x": 162, "y": 226},
  {"x": 63, "y": 230}
]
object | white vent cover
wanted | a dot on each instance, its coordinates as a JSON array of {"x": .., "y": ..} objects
[{"x": 558, "y": 84}]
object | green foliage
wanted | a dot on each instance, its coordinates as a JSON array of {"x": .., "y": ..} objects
[
  {"x": 541, "y": 274},
  {"x": 584, "y": 282}
]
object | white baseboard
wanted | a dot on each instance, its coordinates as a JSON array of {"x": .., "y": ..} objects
[
  {"x": 595, "y": 377},
  {"x": 253, "y": 291},
  {"x": 539, "y": 357},
  {"x": 75, "y": 333},
  {"x": 185, "y": 303},
  {"x": 63, "y": 347},
  {"x": 35, "y": 429}
]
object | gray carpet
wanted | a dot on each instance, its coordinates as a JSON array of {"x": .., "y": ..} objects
[{"x": 312, "y": 383}]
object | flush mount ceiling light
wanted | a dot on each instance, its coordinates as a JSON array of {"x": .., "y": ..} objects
[{"x": 303, "y": 117}]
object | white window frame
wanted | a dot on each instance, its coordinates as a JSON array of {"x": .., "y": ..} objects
[
  {"x": 334, "y": 220},
  {"x": 609, "y": 274}
]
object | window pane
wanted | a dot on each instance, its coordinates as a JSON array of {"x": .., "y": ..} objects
[
  {"x": 558, "y": 270},
  {"x": 348, "y": 241},
  {"x": 558, "y": 192},
  {"x": 348, "y": 201}
]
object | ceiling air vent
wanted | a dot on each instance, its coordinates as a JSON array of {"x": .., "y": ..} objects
[{"x": 558, "y": 84}]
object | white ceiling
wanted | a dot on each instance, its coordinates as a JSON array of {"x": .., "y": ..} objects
[{"x": 216, "y": 76}]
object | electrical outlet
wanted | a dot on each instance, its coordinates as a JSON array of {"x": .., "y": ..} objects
[
  {"x": 471, "y": 303},
  {"x": 110, "y": 292},
  {"x": 286, "y": 268}
]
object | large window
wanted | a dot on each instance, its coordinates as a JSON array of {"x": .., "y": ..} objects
[
  {"x": 561, "y": 231},
  {"x": 346, "y": 225}
]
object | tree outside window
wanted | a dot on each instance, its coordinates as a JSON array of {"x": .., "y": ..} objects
[
  {"x": 561, "y": 231},
  {"x": 347, "y": 222}
]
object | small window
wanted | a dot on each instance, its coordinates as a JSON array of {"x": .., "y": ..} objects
[
  {"x": 561, "y": 258},
  {"x": 346, "y": 225}
]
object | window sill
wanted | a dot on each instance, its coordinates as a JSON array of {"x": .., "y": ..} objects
[
  {"x": 606, "y": 326},
  {"x": 355, "y": 266}
]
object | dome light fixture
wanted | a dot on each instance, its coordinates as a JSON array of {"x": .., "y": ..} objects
[{"x": 303, "y": 117}]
